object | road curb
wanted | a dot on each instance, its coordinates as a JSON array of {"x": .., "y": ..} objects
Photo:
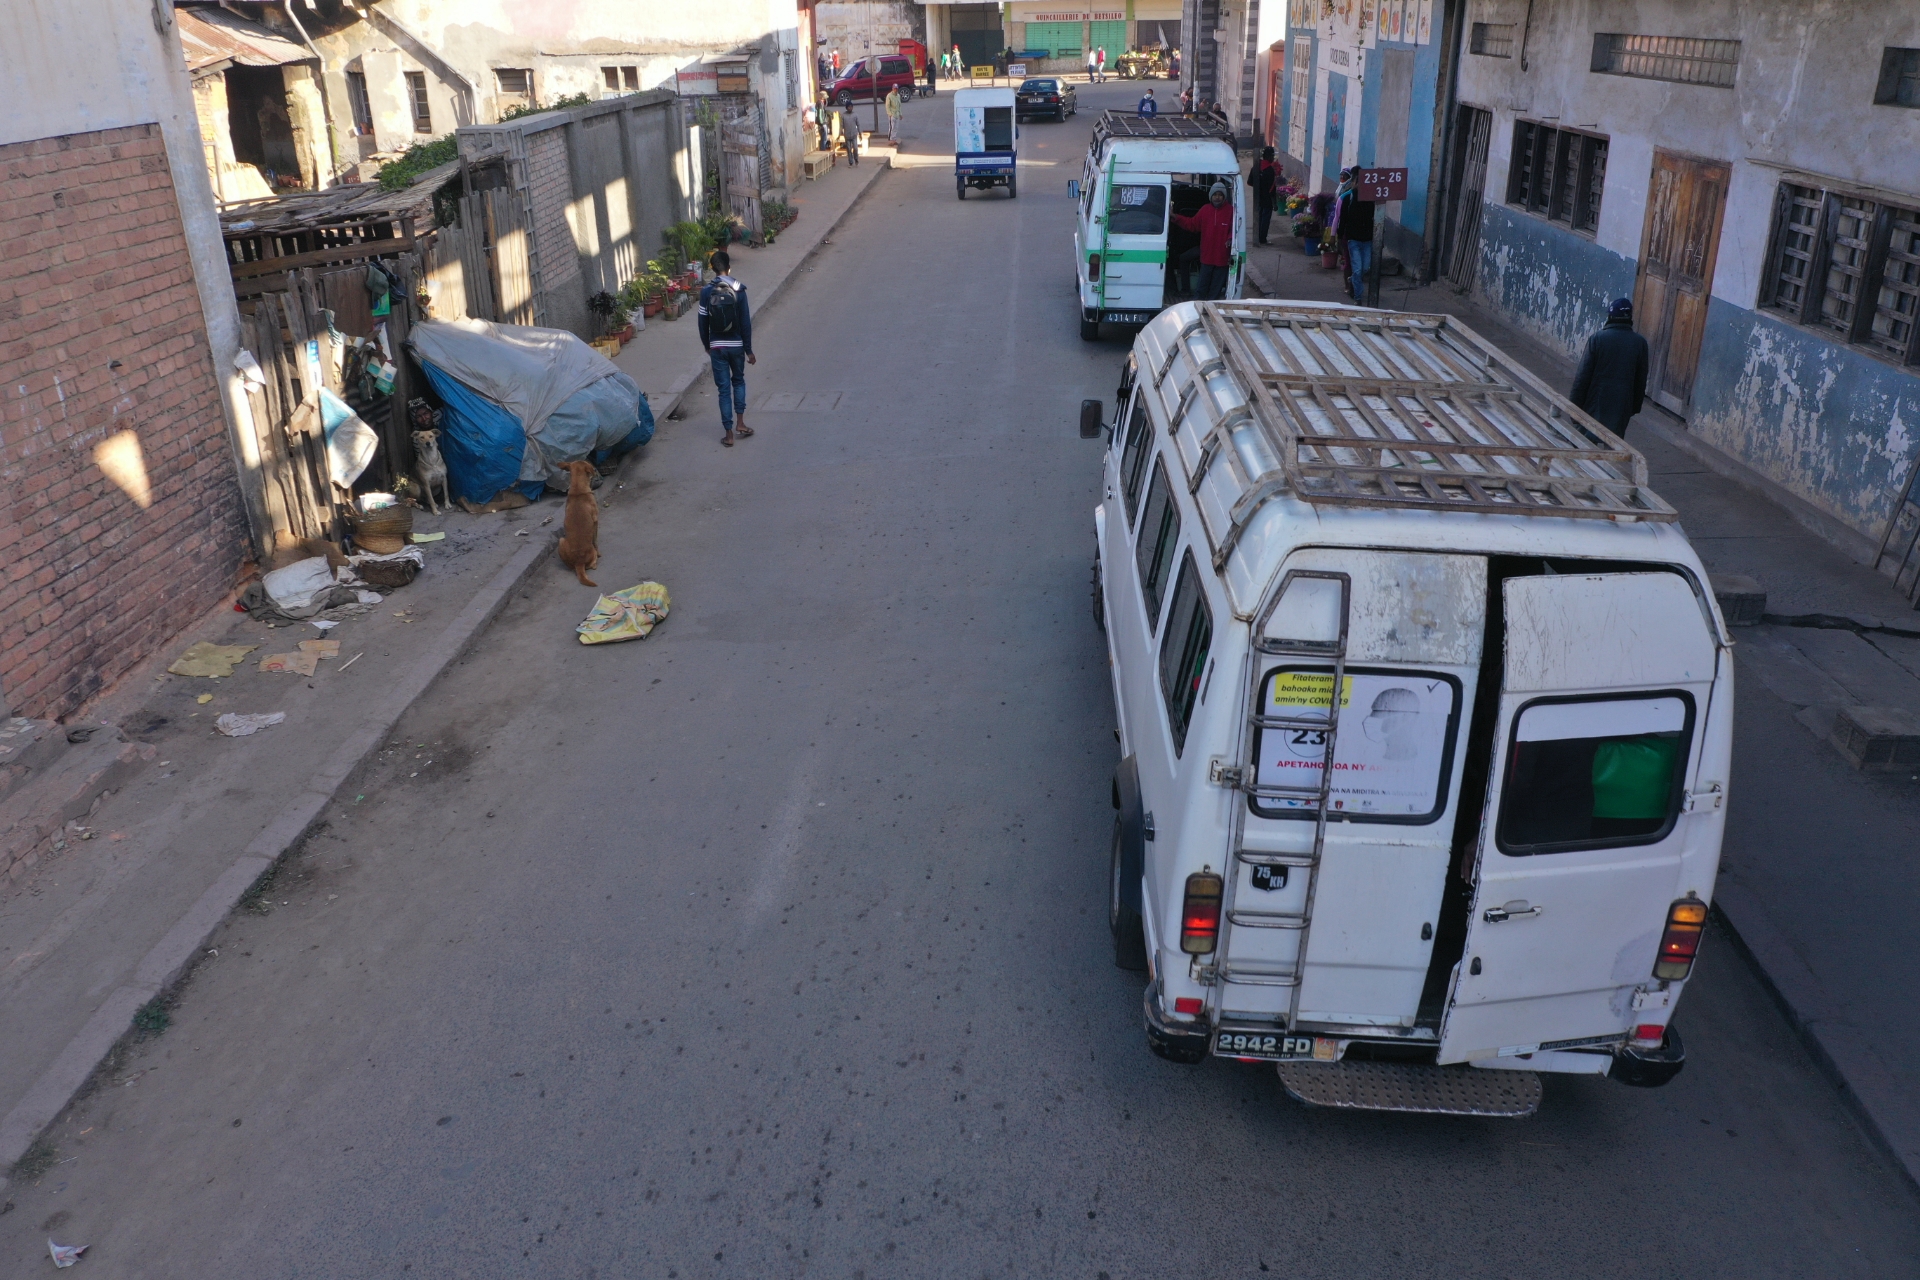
[
  {"x": 170, "y": 958},
  {"x": 1887, "y": 1112},
  {"x": 677, "y": 389}
]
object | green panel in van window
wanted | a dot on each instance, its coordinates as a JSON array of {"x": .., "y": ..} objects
[{"x": 1633, "y": 777}]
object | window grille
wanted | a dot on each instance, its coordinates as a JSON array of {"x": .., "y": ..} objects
[
  {"x": 1558, "y": 174},
  {"x": 1899, "y": 79},
  {"x": 1678, "y": 59},
  {"x": 1848, "y": 265},
  {"x": 1492, "y": 39}
]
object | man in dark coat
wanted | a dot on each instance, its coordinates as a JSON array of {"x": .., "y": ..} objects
[{"x": 1612, "y": 381}]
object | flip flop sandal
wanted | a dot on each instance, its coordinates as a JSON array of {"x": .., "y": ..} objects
[
  {"x": 743, "y": 432},
  {"x": 727, "y": 443}
]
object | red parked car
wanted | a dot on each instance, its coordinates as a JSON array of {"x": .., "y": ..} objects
[{"x": 896, "y": 72}]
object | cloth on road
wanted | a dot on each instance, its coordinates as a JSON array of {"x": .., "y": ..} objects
[
  {"x": 1612, "y": 381},
  {"x": 625, "y": 615}
]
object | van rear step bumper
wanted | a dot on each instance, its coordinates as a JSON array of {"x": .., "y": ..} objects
[{"x": 1397, "y": 1086}]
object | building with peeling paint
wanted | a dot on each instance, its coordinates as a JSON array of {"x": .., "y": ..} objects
[{"x": 1748, "y": 173}]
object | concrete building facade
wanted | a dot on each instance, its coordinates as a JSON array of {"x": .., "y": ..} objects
[
  {"x": 1750, "y": 176},
  {"x": 122, "y": 516}
]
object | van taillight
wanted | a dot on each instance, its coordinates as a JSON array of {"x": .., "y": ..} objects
[
  {"x": 1093, "y": 266},
  {"x": 1200, "y": 914},
  {"x": 1686, "y": 920}
]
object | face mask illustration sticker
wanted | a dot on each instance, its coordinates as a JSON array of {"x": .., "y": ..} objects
[{"x": 1394, "y": 722}]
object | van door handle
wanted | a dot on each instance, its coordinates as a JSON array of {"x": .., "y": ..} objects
[{"x": 1511, "y": 911}]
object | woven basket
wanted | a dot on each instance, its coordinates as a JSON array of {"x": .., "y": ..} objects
[
  {"x": 381, "y": 544},
  {"x": 396, "y": 520}
]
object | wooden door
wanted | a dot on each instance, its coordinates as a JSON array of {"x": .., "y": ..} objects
[
  {"x": 1678, "y": 245},
  {"x": 1475, "y": 127}
]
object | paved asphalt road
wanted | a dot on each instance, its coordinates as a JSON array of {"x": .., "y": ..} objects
[{"x": 773, "y": 945}]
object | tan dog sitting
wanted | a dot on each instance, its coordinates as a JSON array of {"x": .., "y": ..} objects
[
  {"x": 430, "y": 469},
  {"x": 580, "y": 535}
]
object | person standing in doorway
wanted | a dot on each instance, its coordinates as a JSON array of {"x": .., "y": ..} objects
[
  {"x": 1355, "y": 222},
  {"x": 893, "y": 115},
  {"x": 1266, "y": 184},
  {"x": 1213, "y": 223},
  {"x": 726, "y": 331},
  {"x": 1147, "y": 107},
  {"x": 1612, "y": 381}
]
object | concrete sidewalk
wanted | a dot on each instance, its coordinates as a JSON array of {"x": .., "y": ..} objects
[
  {"x": 1818, "y": 882},
  {"x": 115, "y": 916}
]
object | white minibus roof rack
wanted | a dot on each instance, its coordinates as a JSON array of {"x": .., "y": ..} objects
[
  {"x": 1382, "y": 409},
  {"x": 1125, "y": 124}
]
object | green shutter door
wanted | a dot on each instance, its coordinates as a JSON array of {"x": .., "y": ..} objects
[
  {"x": 1059, "y": 39},
  {"x": 1111, "y": 36}
]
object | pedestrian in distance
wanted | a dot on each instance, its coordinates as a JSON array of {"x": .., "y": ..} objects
[
  {"x": 823, "y": 122},
  {"x": 1612, "y": 381},
  {"x": 1100, "y": 63},
  {"x": 1354, "y": 229},
  {"x": 1266, "y": 185},
  {"x": 1093, "y": 66},
  {"x": 850, "y": 133},
  {"x": 893, "y": 115},
  {"x": 1186, "y": 101},
  {"x": 1147, "y": 107},
  {"x": 932, "y": 83},
  {"x": 726, "y": 331},
  {"x": 1173, "y": 65},
  {"x": 1213, "y": 223}
]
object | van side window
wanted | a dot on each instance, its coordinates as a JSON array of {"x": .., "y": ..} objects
[
  {"x": 1159, "y": 535},
  {"x": 1594, "y": 773},
  {"x": 1133, "y": 462},
  {"x": 1183, "y": 650}
]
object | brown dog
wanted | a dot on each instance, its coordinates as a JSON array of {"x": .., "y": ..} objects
[{"x": 580, "y": 536}]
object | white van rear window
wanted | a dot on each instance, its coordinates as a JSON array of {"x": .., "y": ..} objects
[
  {"x": 1593, "y": 773},
  {"x": 1393, "y": 753},
  {"x": 1137, "y": 210}
]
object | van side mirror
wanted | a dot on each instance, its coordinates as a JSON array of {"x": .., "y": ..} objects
[
  {"x": 1092, "y": 426},
  {"x": 1073, "y": 188}
]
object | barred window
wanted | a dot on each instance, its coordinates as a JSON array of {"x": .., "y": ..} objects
[
  {"x": 1558, "y": 174},
  {"x": 1492, "y": 39},
  {"x": 1847, "y": 264},
  {"x": 1679, "y": 59},
  {"x": 1899, "y": 79}
]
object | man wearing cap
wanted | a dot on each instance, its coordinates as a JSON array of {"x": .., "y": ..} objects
[
  {"x": 1213, "y": 223},
  {"x": 1612, "y": 381}
]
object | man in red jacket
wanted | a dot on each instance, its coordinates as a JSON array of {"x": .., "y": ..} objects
[{"x": 1213, "y": 223}]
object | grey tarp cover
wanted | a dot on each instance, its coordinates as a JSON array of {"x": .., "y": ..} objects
[{"x": 537, "y": 375}]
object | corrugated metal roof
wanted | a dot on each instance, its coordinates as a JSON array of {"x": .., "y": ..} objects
[{"x": 214, "y": 36}]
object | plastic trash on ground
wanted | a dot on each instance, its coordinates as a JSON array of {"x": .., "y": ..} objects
[
  {"x": 625, "y": 615},
  {"x": 236, "y": 725},
  {"x": 215, "y": 660},
  {"x": 65, "y": 1255}
]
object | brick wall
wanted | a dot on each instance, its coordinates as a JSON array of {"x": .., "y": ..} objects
[
  {"x": 563, "y": 300},
  {"x": 96, "y": 270}
]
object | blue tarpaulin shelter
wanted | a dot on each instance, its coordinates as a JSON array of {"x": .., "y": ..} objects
[{"x": 521, "y": 403}]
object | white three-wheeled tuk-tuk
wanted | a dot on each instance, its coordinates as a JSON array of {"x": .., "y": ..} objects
[
  {"x": 1425, "y": 710},
  {"x": 985, "y": 141}
]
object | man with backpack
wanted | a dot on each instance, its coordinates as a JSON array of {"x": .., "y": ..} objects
[{"x": 726, "y": 331}]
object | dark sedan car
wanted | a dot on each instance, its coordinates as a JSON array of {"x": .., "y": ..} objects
[{"x": 1045, "y": 97}]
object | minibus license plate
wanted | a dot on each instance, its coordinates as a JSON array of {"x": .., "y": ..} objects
[{"x": 1269, "y": 1045}]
